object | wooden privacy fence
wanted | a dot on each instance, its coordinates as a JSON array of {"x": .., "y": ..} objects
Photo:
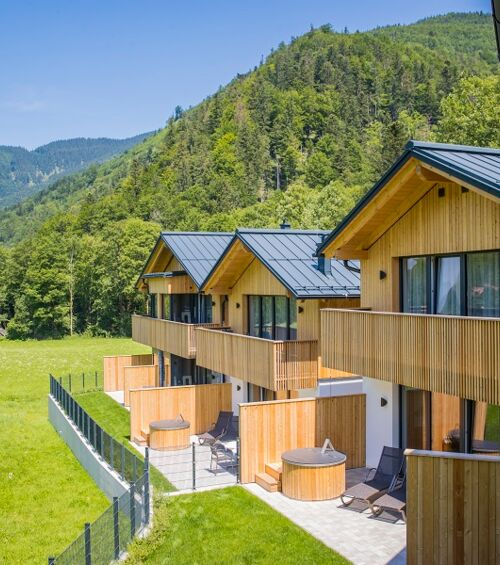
[
  {"x": 139, "y": 377},
  {"x": 453, "y": 508},
  {"x": 267, "y": 429},
  {"x": 199, "y": 404},
  {"x": 113, "y": 368},
  {"x": 457, "y": 355}
]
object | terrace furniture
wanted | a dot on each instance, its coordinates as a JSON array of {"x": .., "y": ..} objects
[
  {"x": 313, "y": 473},
  {"x": 218, "y": 430},
  {"x": 169, "y": 434},
  {"x": 221, "y": 455},
  {"x": 388, "y": 474},
  {"x": 394, "y": 499}
]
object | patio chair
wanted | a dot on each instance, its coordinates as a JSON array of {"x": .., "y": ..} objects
[
  {"x": 218, "y": 430},
  {"x": 388, "y": 474},
  {"x": 221, "y": 455},
  {"x": 394, "y": 499}
]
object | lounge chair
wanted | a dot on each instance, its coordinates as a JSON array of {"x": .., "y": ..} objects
[
  {"x": 387, "y": 475},
  {"x": 394, "y": 500},
  {"x": 218, "y": 430}
]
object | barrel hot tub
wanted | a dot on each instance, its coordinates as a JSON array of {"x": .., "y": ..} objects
[
  {"x": 169, "y": 434},
  {"x": 313, "y": 473}
]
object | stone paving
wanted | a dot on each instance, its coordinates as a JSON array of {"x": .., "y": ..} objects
[{"x": 352, "y": 532}]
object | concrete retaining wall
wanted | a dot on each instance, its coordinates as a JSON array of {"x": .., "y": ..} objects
[{"x": 106, "y": 479}]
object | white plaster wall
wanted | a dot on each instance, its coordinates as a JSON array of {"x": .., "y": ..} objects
[
  {"x": 340, "y": 387},
  {"x": 381, "y": 421},
  {"x": 238, "y": 396}
]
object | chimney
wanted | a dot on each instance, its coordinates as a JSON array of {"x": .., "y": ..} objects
[
  {"x": 285, "y": 225},
  {"x": 324, "y": 265}
]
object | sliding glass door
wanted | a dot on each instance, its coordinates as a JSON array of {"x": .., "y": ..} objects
[{"x": 272, "y": 317}]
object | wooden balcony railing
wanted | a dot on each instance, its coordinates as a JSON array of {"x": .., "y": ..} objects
[
  {"x": 451, "y": 354},
  {"x": 275, "y": 365},
  {"x": 172, "y": 337}
]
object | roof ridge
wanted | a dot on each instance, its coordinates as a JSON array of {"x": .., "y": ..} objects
[
  {"x": 414, "y": 144},
  {"x": 281, "y": 231},
  {"x": 204, "y": 233}
]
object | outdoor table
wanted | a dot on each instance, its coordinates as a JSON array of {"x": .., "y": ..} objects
[
  {"x": 313, "y": 473},
  {"x": 169, "y": 434}
]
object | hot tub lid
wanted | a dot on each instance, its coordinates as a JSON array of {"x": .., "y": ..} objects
[
  {"x": 313, "y": 457},
  {"x": 169, "y": 425}
]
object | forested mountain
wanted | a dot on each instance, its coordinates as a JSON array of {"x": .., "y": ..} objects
[
  {"x": 23, "y": 172},
  {"x": 300, "y": 137}
]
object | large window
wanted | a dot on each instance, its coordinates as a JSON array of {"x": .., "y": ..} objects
[
  {"x": 152, "y": 310},
  {"x": 190, "y": 308},
  {"x": 272, "y": 317},
  {"x": 467, "y": 284}
]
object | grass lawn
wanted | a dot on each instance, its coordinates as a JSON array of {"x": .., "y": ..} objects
[
  {"x": 115, "y": 420},
  {"x": 45, "y": 496},
  {"x": 226, "y": 526}
]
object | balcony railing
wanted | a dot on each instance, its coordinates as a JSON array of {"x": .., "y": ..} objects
[
  {"x": 275, "y": 365},
  {"x": 451, "y": 354},
  {"x": 172, "y": 337}
]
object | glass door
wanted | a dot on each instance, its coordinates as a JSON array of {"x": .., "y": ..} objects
[{"x": 449, "y": 286}]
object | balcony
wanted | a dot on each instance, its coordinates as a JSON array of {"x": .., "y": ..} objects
[
  {"x": 172, "y": 337},
  {"x": 450, "y": 354},
  {"x": 275, "y": 365}
]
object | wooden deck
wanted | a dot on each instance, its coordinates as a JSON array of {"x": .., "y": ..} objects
[
  {"x": 275, "y": 365},
  {"x": 450, "y": 354},
  {"x": 172, "y": 337}
]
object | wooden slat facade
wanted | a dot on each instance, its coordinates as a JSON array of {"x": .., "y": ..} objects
[
  {"x": 199, "y": 404},
  {"x": 114, "y": 365},
  {"x": 453, "y": 508},
  {"x": 172, "y": 337},
  {"x": 267, "y": 429},
  {"x": 454, "y": 355},
  {"x": 274, "y": 365}
]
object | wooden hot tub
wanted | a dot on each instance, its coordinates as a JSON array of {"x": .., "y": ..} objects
[
  {"x": 169, "y": 434},
  {"x": 313, "y": 473}
]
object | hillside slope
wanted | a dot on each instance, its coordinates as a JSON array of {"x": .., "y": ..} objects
[
  {"x": 23, "y": 172},
  {"x": 300, "y": 137}
]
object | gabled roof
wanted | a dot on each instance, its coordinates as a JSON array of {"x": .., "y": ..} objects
[
  {"x": 197, "y": 252},
  {"x": 477, "y": 167},
  {"x": 290, "y": 256}
]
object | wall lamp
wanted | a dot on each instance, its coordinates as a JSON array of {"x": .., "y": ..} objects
[
  {"x": 301, "y": 309},
  {"x": 382, "y": 275},
  {"x": 383, "y": 401},
  {"x": 238, "y": 305}
]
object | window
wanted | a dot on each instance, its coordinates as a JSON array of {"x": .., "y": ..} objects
[
  {"x": 152, "y": 310},
  {"x": 415, "y": 287},
  {"x": 191, "y": 308},
  {"x": 483, "y": 284},
  {"x": 272, "y": 317},
  {"x": 165, "y": 306},
  {"x": 486, "y": 429},
  {"x": 452, "y": 285}
]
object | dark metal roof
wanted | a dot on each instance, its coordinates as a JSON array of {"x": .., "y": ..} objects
[
  {"x": 197, "y": 252},
  {"x": 478, "y": 166},
  {"x": 290, "y": 256}
]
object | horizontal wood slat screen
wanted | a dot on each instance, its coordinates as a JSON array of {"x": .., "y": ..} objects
[
  {"x": 451, "y": 354},
  {"x": 267, "y": 429},
  {"x": 199, "y": 404},
  {"x": 113, "y": 368},
  {"x": 453, "y": 508},
  {"x": 138, "y": 377},
  {"x": 275, "y": 365},
  {"x": 173, "y": 337}
]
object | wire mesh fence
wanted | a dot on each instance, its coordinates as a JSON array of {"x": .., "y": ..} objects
[
  {"x": 82, "y": 382},
  {"x": 106, "y": 538},
  {"x": 116, "y": 455}
]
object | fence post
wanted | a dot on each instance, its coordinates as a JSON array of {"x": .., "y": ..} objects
[
  {"x": 112, "y": 453},
  {"x": 193, "y": 450},
  {"x": 123, "y": 462},
  {"x": 132, "y": 510},
  {"x": 69, "y": 382},
  {"x": 134, "y": 469},
  {"x": 88, "y": 547},
  {"x": 102, "y": 443},
  {"x": 52, "y": 560},
  {"x": 146, "y": 486},
  {"x": 83, "y": 381},
  {"x": 116, "y": 527},
  {"x": 238, "y": 470},
  {"x": 96, "y": 379}
]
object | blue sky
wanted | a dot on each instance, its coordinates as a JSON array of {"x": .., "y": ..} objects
[{"x": 116, "y": 68}]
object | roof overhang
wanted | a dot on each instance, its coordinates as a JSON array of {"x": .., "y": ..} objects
[{"x": 406, "y": 182}]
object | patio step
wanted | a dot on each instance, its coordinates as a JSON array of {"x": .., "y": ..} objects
[
  {"x": 140, "y": 440},
  {"x": 267, "y": 482},
  {"x": 274, "y": 470}
]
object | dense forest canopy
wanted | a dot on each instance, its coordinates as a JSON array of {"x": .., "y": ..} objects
[
  {"x": 300, "y": 137},
  {"x": 23, "y": 172}
]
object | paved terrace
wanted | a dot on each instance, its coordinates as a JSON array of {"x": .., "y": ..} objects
[{"x": 353, "y": 531}]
